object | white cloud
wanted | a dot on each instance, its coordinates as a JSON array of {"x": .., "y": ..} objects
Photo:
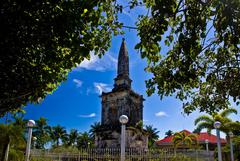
[
  {"x": 102, "y": 87},
  {"x": 78, "y": 82},
  {"x": 88, "y": 91},
  {"x": 88, "y": 116},
  {"x": 161, "y": 114},
  {"x": 107, "y": 62}
]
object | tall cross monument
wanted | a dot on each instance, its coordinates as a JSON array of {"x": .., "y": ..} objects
[{"x": 122, "y": 100}]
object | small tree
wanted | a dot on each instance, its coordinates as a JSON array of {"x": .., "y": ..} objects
[
  {"x": 41, "y": 132},
  {"x": 84, "y": 141},
  {"x": 169, "y": 133},
  {"x": 152, "y": 134},
  {"x": 72, "y": 138},
  {"x": 58, "y": 134},
  {"x": 11, "y": 137},
  {"x": 96, "y": 129},
  {"x": 207, "y": 121},
  {"x": 184, "y": 139}
]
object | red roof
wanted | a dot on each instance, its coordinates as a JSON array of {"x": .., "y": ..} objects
[{"x": 201, "y": 137}]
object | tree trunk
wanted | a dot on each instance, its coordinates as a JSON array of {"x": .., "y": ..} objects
[
  {"x": 3, "y": 152},
  {"x": 5, "y": 149},
  {"x": 57, "y": 142},
  {"x": 7, "y": 152}
]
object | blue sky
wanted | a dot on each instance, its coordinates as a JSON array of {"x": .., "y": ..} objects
[{"x": 76, "y": 102}]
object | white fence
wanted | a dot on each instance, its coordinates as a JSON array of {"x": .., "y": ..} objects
[{"x": 114, "y": 155}]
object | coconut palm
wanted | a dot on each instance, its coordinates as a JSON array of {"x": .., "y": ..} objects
[
  {"x": 96, "y": 129},
  {"x": 207, "y": 121},
  {"x": 183, "y": 138},
  {"x": 58, "y": 134},
  {"x": 17, "y": 119},
  {"x": 11, "y": 137},
  {"x": 169, "y": 133},
  {"x": 41, "y": 132},
  {"x": 234, "y": 127},
  {"x": 72, "y": 138},
  {"x": 84, "y": 140},
  {"x": 152, "y": 134}
]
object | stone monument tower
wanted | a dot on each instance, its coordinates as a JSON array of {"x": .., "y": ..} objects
[{"x": 122, "y": 100}]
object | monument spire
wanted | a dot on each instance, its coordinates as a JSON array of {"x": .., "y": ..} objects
[
  {"x": 122, "y": 100},
  {"x": 123, "y": 60},
  {"x": 122, "y": 80}
]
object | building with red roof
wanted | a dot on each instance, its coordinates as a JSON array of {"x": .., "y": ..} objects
[{"x": 202, "y": 139}]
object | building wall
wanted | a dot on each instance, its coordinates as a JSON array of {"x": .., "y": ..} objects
[
  {"x": 115, "y": 104},
  {"x": 113, "y": 140}
]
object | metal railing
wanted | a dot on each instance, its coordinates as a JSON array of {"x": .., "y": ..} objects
[{"x": 114, "y": 155}]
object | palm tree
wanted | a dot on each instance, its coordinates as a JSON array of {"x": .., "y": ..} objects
[
  {"x": 72, "y": 137},
  {"x": 58, "y": 134},
  {"x": 18, "y": 119},
  {"x": 84, "y": 140},
  {"x": 152, "y": 135},
  {"x": 96, "y": 129},
  {"x": 41, "y": 132},
  {"x": 207, "y": 121},
  {"x": 182, "y": 138},
  {"x": 169, "y": 133},
  {"x": 138, "y": 128},
  {"x": 11, "y": 137}
]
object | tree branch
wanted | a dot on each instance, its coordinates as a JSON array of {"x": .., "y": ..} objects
[
  {"x": 206, "y": 35},
  {"x": 176, "y": 11},
  {"x": 130, "y": 27}
]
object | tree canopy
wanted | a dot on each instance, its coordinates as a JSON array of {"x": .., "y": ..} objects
[
  {"x": 152, "y": 134},
  {"x": 227, "y": 124},
  {"x": 183, "y": 139},
  {"x": 41, "y": 41},
  {"x": 201, "y": 65},
  {"x": 192, "y": 47},
  {"x": 169, "y": 133}
]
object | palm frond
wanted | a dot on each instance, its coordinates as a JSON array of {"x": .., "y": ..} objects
[
  {"x": 192, "y": 136},
  {"x": 188, "y": 141},
  {"x": 227, "y": 112},
  {"x": 152, "y": 132},
  {"x": 197, "y": 130},
  {"x": 177, "y": 138},
  {"x": 236, "y": 140},
  {"x": 203, "y": 118},
  {"x": 233, "y": 125},
  {"x": 205, "y": 125}
]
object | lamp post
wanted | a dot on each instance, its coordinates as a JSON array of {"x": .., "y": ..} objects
[
  {"x": 206, "y": 142},
  {"x": 123, "y": 120},
  {"x": 231, "y": 145},
  {"x": 217, "y": 125},
  {"x": 30, "y": 125},
  {"x": 34, "y": 142}
]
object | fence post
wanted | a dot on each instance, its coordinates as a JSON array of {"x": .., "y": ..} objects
[
  {"x": 196, "y": 154},
  {"x": 59, "y": 159}
]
